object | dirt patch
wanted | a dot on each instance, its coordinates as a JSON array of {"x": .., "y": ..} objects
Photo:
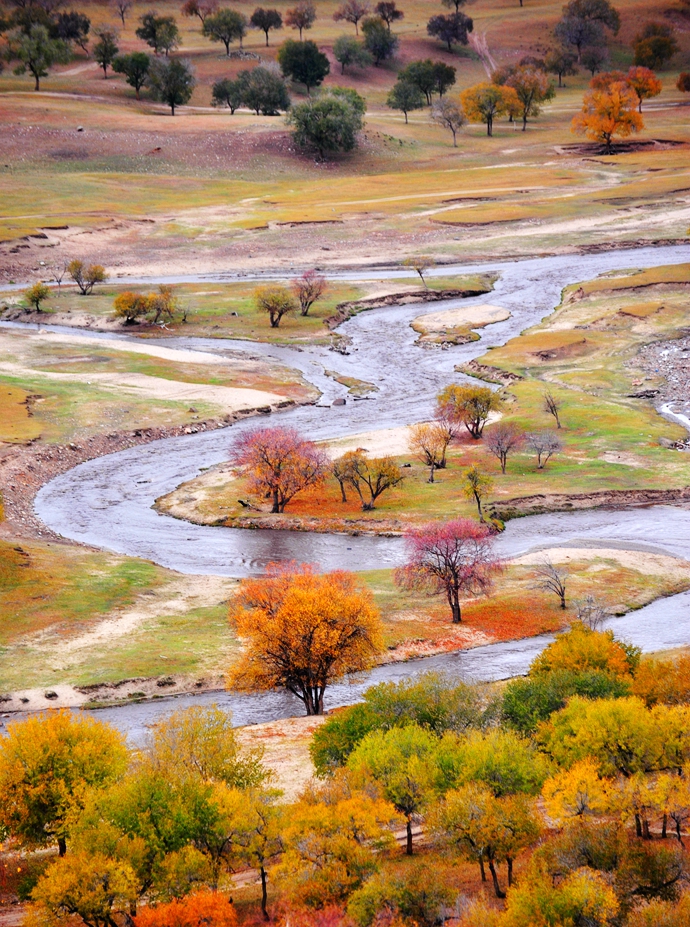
[
  {"x": 607, "y": 498},
  {"x": 455, "y": 326},
  {"x": 490, "y": 374},
  {"x": 286, "y": 751},
  {"x": 345, "y": 311}
]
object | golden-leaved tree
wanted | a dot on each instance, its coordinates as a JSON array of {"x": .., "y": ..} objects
[{"x": 609, "y": 112}]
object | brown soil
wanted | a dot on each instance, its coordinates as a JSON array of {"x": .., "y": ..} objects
[
  {"x": 344, "y": 311},
  {"x": 613, "y": 498}
]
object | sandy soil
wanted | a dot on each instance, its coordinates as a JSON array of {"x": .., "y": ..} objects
[
  {"x": 638, "y": 560},
  {"x": 471, "y": 317},
  {"x": 286, "y": 745}
]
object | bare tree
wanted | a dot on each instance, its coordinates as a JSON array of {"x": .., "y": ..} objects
[
  {"x": 308, "y": 288},
  {"x": 553, "y": 407},
  {"x": 352, "y": 11},
  {"x": 544, "y": 444},
  {"x": 420, "y": 264},
  {"x": 501, "y": 439},
  {"x": 341, "y": 468},
  {"x": 591, "y": 612},
  {"x": 123, "y": 7},
  {"x": 58, "y": 271},
  {"x": 550, "y": 578},
  {"x": 447, "y": 113}
]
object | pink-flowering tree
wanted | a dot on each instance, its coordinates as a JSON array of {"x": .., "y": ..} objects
[
  {"x": 454, "y": 557},
  {"x": 279, "y": 463},
  {"x": 307, "y": 289}
]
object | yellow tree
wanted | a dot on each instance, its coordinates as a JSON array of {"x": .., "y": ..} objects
[
  {"x": 302, "y": 631},
  {"x": 47, "y": 763},
  {"x": 581, "y": 649},
  {"x": 429, "y": 442},
  {"x": 609, "y": 112},
  {"x": 576, "y": 792},
  {"x": 485, "y": 102},
  {"x": 370, "y": 477},
  {"x": 468, "y": 405},
  {"x": 476, "y": 486}
]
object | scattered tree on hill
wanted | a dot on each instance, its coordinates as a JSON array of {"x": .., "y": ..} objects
[
  {"x": 420, "y": 263},
  {"x": 370, "y": 477},
  {"x": 135, "y": 68},
  {"x": 199, "y": 8},
  {"x": 544, "y": 444},
  {"x": 263, "y": 91},
  {"x": 455, "y": 558},
  {"x": 46, "y": 764},
  {"x": 550, "y": 578},
  {"x": 644, "y": 82},
  {"x": 308, "y": 288},
  {"x": 37, "y": 294},
  {"x": 655, "y": 45},
  {"x": 452, "y": 29},
  {"x": 532, "y": 87},
  {"x": 37, "y": 52},
  {"x": 552, "y": 406},
  {"x": 329, "y": 123},
  {"x": 303, "y": 62},
  {"x": 561, "y": 62},
  {"x": 275, "y": 300},
  {"x": 105, "y": 50},
  {"x": 485, "y": 102},
  {"x": 429, "y": 76},
  {"x": 594, "y": 58},
  {"x": 302, "y": 631},
  {"x": 599, "y": 11},
  {"x": 352, "y": 11},
  {"x": 227, "y": 92},
  {"x": 470, "y": 406},
  {"x": 172, "y": 82},
  {"x": 379, "y": 41},
  {"x": 279, "y": 463},
  {"x": 580, "y": 33},
  {"x": 72, "y": 26},
  {"x": 160, "y": 32},
  {"x": 265, "y": 20},
  {"x": 225, "y": 26},
  {"x": 683, "y": 82},
  {"x": 607, "y": 113},
  {"x": 476, "y": 486},
  {"x": 501, "y": 440},
  {"x": 447, "y": 113},
  {"x": 405, "y": 97},
  {"x": 388, "y": 11},
  {"x": 350, "y": 52},
  {"x": 301, "y": 16},
  {"x": 429, "y": 442},
  {"x": 86, "y": 276},
  {"x": 123, "y": 7}
]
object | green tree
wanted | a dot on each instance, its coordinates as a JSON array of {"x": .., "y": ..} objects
[
  {"x": 37, "y": 52},
  {"x": 476, "y": 486},
  {"x": 350, "y": 52},
  {"x": 407, "y": 892},
  {"x": 502, "y": 761},
  {"x": 37, "y": 294},
  {"x": 225, "y": 26},
  {"x": 105, "y": 50},
  {"x": 405, "y": 97},
  {"x": 264, "y": 91},
  {"x": 429, "y": 76},
  {"x": 71, "y": 26},
  {"x": 160, "y": 32},
  {"x": 379, "y": 41},
  {"x": 304, "y": 63},
  {"x": 228, "y": 92},
  {"x": 452, "y": 29},
  {"x": 172, "y": 82},
  {"x": 329, "y": 124},
  {"x": 655, "y": 45},
  {"x": 135, "y": 68},
  {"x": 265, "y": 20}
]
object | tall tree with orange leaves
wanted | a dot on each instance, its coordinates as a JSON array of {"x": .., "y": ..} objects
[
  {"x": 302, "y": 631},
  {"x": 609, "y": 112},
  {"x": 201, "y": 909}
]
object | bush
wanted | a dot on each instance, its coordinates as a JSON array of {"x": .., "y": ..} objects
[{"x": 329, "y": 123}]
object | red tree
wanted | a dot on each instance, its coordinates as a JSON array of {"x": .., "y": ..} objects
[
  {"x": 307, "y": 289},
  {"x": 455, "y": 557},
  {"x": 279, "y": 463}
]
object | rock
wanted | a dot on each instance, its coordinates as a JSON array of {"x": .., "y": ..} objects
[
  {"x": 165, "y": 681},
  {"x": 192, "y": 409},
  {"x": 338, "y": 402},
  {"x": 666, "y": 442},
  {"x": 80, "y": 128},
  {"x": 51, "y": 695}
]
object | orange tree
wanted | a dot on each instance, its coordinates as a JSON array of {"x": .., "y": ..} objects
[
  {"x": 484, "y": 102},
  {"x": 644, "y": 82},
  {"x": 201, "y": 909},
  {"x": 302, "y": 631},
  {"x": 609, "y": 112}
]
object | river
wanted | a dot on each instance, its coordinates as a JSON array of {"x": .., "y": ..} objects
[{"x": 107, "y": 502}]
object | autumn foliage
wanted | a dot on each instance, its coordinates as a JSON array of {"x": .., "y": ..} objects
[
  {"x": 609, "y": 112},
  {"x": 303, "y": 630},
  {"x": 201, "y": 909}
]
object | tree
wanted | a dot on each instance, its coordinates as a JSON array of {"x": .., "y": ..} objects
[
  {"x": 683, "y": 82},
  {"x": 594, "y": 58},
  {"x": 86, "y": 276},
  {"x": 172, "y": 82},
  {"x": 580, "y": 33},
  {"x": 581, "y": 649},
  {"x": 201, "y": 907},
  {"x": 655, "y": 45},
  {"x": 405, "y": 97},
  {"x": 544, "y": 444},
  {"x": 37, "y": 294},
  {"x": 227, "y": 92},
  {"x": 46, "y": 763},
  {"x": 261, "y": 837},
  {"x": 379, "y": 41},
  {"x": 130, "y": 306},
  {"x": 301, "y": 16},
  {"x": 225, "y": 26},
  {"x": 667, "y": 682},
  {"x": 454, "y": 4},
  {"x": 429, "y": 442},
  {"x": 429, "y": 76},
  {"x": 607, "y": 113},
  {"x": 303, "y": 631},
  {"x": 599, "y": 11},
  {"x": 484, "y": 102},
  {"x": 451, "y": 29},
  {"x": 476, "y": 485},
  {"x": 502, "y": 761},
  {"x": 371, "y": 477},
  {"x": 123, "y": 7},
  {"x": 401, "y": 763},
  {"x": 561, "y": 62},
  {"x": 349, "y": 51},
  {"x": 276, "y": 300},
  {"x": 468, "y": 405},
  {"x": 160, "y": 32},
  {"x": 420, "y": 263},
  {"x": 577, "y": 792},
  {"x": 105, "y": 50},
  {"x": 448, "y": 114},
  {"x": 550, "y": 578},
  {"x": 501, "y": 440},
  {"x": 404, "y": 895},
  {"x": 135, "y": 67},
  {"x": 264, "y": 91},
  {"x": 552, "y": 406},
  {"x": 532, "y": 87},
  {"x": 644, "y": 82},
  {"x": 352, "y": 11},
  {"x": 308, "y": 288},
  {"x": 388, "y": 11},
  {"x": 199, "y": 8},
  {"x": 37, "y": 52},
  {"x": 455, "y": 558},
  {"x": 265, "y": 20},
  {"x": 279, "y": 463},
  {"x": 329, "y": 123},
  {"x": 303, "y": 62}
]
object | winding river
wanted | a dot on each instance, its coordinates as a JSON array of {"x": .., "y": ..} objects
[{"x": 107, "y": 502}]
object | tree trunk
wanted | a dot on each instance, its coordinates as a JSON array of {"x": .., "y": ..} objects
[
  {"x": 38, "y": 84},
  {"x": 62, "y": 846},
  {"x": 663, "y": 826},
  {"x": 455, "y": 141},
  {"x": 276, "y": 503},
  {"x": 489, "y": 127},
  {"x": 267, "y": 40},
  {"x": 504, "y": 461},
  {"x": 524, "y": 122},
  {"x": 408, "y": 844},
  {"x": 172, "y": 109},
  {"x": 482, "y": 869},
  {"x": 645, "y": 829},
  {"x": 494, "y": 878},
  {"x": 479, "y": 507},
  {"x": 264, "y": 893},
  {"x": 406, "y": 117},
  {"x": 455, "y": 610},
  {"x": 510, "y": 870},
  {"x": 343, "y": 497},
  {"x": 638, "y": 826},
  {"x": 431, "y": 473}
]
